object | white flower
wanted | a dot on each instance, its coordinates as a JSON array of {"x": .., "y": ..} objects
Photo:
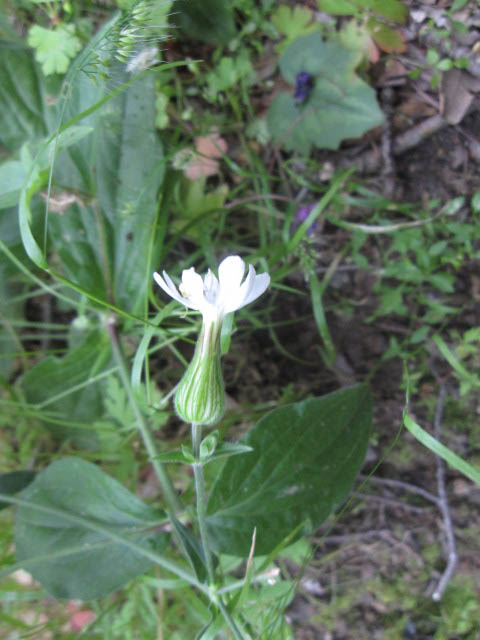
[
  {"x": 200, "y": 395},
  {"x": 215, "y": 298}
]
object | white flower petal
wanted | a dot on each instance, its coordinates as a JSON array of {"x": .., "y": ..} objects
[
  {"x": 236, "y": 302},
  {"x": 210, "y": 287},
  {"x": 166, "y": 283},
  {"x": 192, "y": 288},
  {"x": 260, "y": 285},
  {"x": 215, "y": 297},
  {"x": 230, "y": 274}
]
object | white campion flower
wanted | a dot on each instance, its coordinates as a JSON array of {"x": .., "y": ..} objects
[{"x": 200, "y": 396}]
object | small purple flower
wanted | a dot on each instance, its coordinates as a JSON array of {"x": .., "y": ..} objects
[
  {"x": 303, "y": 87},
  {"x": 301, "y": 215}
]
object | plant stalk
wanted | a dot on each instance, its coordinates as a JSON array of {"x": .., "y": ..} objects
[
  {"x": 168, "y": 489},
  {"x": 202, "y": 525},
  {"x": 201, "y": 499},
  {"x": 230, "y": 621}
]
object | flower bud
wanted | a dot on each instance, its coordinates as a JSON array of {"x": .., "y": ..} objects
[{"x": 200, "y": 396}]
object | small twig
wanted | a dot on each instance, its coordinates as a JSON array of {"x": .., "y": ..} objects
[
  {"x": 405, "y": 486},
  {"x": 443, "y": 505},
  {"x": 354, "y": 537},
  {"x": 369, "y": 161},
  {"x": 388, "y": 169},
  {"x": 390, "y": 502}
]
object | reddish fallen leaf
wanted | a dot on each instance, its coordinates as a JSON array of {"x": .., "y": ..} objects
[
  {"x": 202, "y": 162},
  {"x": 200, "y": 167},
  {"x": 373, "y": 54},
  {"x": 81, "y": 619},
  {"x": 211, "y": 146}
]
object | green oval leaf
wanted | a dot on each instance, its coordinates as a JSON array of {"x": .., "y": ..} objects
[
  {"x": 85, "y": 563},
  {"x": 304, "y": 460}
]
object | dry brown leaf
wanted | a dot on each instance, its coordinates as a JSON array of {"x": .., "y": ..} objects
[
  {"x": 415, "y": 108},
  {"x": 456, "y": 95},
  {"x": 60, "y": 202}
]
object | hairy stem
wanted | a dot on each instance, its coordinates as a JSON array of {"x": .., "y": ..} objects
[
  {"x": 201, "y": 498},
  {"x": 230, "y": 621},
  {"x": 202, "y": 525}
]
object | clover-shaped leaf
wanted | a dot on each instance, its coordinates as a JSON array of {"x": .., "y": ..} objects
[
  {"x": 54, "y": 48},
  {"x": 292, "y": 22},
  {"x": 229, "y": 72},
  {"x": 339, "y": 105}
]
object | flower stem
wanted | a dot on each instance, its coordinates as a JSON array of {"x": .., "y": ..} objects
[
  {"x": 202, "y": 525},
  {"x": 230, "y": 621},
  {"x": 163, "y": 477},
  {"x": 201, "y": 499}
]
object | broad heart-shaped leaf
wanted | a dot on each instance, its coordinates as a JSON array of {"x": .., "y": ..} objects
[
  {"x": 341, "y": 105},
  {"x": 95, "y": 564},
  {"x": 57, "y": 376},
  {"x": 304, "y": 460}
]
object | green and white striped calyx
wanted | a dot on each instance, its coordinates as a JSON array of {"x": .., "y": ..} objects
[{"x": 200, "y": 396}]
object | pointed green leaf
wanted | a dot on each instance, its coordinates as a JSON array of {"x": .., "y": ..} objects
[
  {"x": 89, "y": 563},
  {"x": 130, "y": 170},
  {"x": 304, "y": 460},
  {"x": 192, "y": 549},
  {"x": 227, "y": 449},
  {"x": 13, "y": 482}
]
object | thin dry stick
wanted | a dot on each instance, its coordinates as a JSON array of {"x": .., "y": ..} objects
[
  {"x": 388, "y": 169},
  {"x": 405, "y": 486},
  {"x": 390, "y": 502},
  {"x": 443, "y": 505},
  {"x": 354, "y": 537},
  {"x": 369, "y": 161}
]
